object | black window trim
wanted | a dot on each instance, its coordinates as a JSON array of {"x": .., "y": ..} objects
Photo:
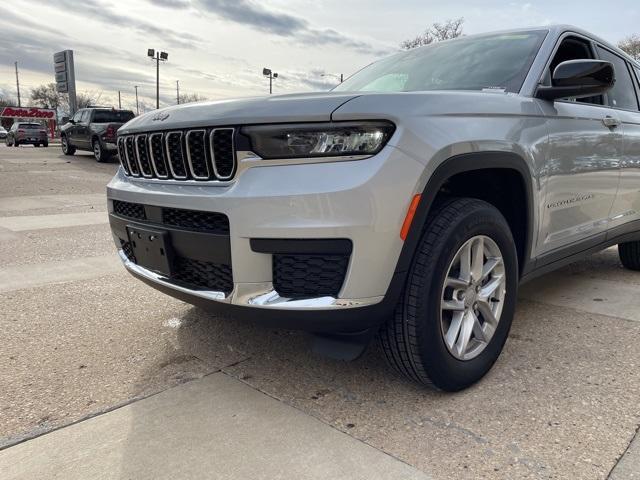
[{"x": 629, "y": 70}]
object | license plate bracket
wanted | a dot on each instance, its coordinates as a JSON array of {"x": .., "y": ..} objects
[{"x": 151, "y": 248}]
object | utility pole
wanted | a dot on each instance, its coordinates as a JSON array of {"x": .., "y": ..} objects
[
  {"x": 341, "y": 77},
  {"x": 119, "y": 102},
  {"x": 18, "y": 84},
  {"x": 137, "y": 107},
  {"x": 178, "y": 92}
]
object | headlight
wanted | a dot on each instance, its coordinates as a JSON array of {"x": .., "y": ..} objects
[{"x": 319, "y": 139}]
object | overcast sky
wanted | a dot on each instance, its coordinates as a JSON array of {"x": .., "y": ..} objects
[{"x": 217, "y": 48}]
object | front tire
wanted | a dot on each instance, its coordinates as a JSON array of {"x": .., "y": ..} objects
[
  {"x": 67, "y": 149},
  {"x": 629, "y": 254},
  {"x": 455, "y": 312}
]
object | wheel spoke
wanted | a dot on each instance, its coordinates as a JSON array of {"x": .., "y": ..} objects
[
  {"x": 465, "y": 334},
  {"x": 455, "y": 305},
  {"x": 478, "y": 332},
  {"x": 490, "y": 288},
  {"x": 477, "y": 260},
  {"x": 465, "y": 263},
  {"x": 487, "y": 314},
  {"x": 457, "y": 283},
  {"x": 454, "y": 329},
  {"x": 490, "y": 265}
]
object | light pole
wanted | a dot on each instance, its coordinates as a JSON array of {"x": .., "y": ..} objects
[
  {"x": 158, "y": 57},
  {"x": 137, "y": 107},
  {"x": 272, "y": 76},
  {"x": 119, "y": 101},
  {"x": 178, "y": 92},
  {"x": 341, "y": 76}
]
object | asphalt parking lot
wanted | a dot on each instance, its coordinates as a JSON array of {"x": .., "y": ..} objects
[{"x": 146, "y": 385}]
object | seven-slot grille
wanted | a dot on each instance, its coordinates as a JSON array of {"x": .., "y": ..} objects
[{"x": 197, "y": 154}]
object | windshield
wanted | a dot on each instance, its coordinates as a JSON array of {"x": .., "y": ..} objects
[
  {"x": 496, "y": 61},
  {"x": 112, "y": 116}
]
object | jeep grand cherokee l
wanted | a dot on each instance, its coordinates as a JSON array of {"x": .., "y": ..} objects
[{"x": 410, "y": 202}]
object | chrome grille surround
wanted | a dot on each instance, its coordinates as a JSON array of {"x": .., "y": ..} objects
[
  {"x": 158, "y": 156},
  {"x": 122, "y": 156},
  {"x": 195, "y": 155},
  {"x": 130, "y": 154},
  {"x": 221, "y": 169},
  {"x": 142, "y": 154},
  {"x": 175, "y": 155}
]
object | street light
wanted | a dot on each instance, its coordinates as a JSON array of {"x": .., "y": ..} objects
[
  {"x": 341, "y": 76},
  {"x": 272, "y": 75},
  {"x": 158, "y": 57}
]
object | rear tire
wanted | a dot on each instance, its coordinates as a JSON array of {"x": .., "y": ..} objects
[
  {"x": 425, "y": 340},
  {"x": 16, "y": 143},
  {"x": 45, "y": 144},
  {"x": 629, "y": 254},
  {"x": 66, "y": 148},
  {"x": 36, "y": 145},
  {"x": 100, "y": 154}
]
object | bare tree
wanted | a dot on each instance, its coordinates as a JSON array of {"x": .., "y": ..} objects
[
  {"x": 84, "y": 99},
  {"x": 631, "y": 45},
  {"x": 437, "y": 32},
  {"x": 46, "y": 96},
  {"x": 7, "y": 101},
  {"x": 191, "y": 97}
]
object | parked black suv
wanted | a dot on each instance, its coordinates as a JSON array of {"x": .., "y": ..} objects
[{"x": 94, "y": 130}]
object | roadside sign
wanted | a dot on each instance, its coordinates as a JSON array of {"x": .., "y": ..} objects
[
  {"x": 65, "y": 76},
  {"x": 28, "y": 112}
]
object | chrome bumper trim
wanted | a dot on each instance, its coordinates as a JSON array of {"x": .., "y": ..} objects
[{"x": 253, "y": 295}]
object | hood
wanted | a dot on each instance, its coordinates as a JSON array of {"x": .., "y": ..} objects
[{"x": 311, "y": 107}]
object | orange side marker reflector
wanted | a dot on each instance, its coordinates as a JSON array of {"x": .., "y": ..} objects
[{"x": 404, "y": 231}]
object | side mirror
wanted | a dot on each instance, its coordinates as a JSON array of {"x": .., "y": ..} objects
[
  {"x": 65, "y": 120},
  {"x": 579, "y": 79}
]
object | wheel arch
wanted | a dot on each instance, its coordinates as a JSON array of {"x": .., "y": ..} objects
[{"x": 469, "y": 164}]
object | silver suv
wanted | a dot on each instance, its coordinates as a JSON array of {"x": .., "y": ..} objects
[{"x": 408, "y": 203}]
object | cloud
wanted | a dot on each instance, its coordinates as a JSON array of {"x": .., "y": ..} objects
[
  {"x": 97, "y": 10},
  {"x": 176, "y": 4},
  {"x": 249, "y": 13}
]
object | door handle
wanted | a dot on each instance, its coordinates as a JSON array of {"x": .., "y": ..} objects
[{"x": 611, "y": 122}]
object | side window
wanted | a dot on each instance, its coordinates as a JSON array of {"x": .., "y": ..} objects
[
  {"x": 85, "y": 116},
  {"x": 623, "y": 93},
  {"x": 573, "y": 48},
  {"x": 77, "y": 116}
]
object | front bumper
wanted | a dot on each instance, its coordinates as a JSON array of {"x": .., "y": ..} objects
[{"x": 364, "y": 201}]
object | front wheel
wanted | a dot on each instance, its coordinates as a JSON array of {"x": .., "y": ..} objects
[
  {"x": 67, "y": 149},
  {"x": 455, "y": 312}
]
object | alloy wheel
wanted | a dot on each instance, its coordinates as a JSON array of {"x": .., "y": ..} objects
[{"x": 472, "y": 297}]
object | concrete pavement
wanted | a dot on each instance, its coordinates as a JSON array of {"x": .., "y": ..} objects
[
  {"x": 216, "y": 427},
  {"x": 560, "y": 403}
]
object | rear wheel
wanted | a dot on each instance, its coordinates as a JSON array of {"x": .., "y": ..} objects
[
  {"x": 455, "y": 312},
  {"x": 16, "y": 143},
  {"x": 67, "y": 149},
  {"x": 45, "y": 144},
  {"x": 99, "y": 153},
  {"x": 36, "y": 145},
  {"x": 630, "y": 255}
]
